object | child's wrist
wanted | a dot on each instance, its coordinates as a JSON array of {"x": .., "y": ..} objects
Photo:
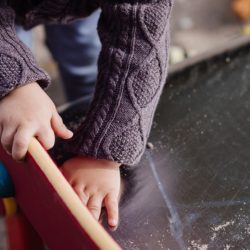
[
  {"x": 25, "y": 87},
  {"x": 109, "y": 163},
  {"x": 114, "y": 163},
  {"x": 102, "y": 162}
]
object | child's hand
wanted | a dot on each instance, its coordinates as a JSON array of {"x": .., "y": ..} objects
[
  {"x": 26, "y": 112},
  {"x": 97, "y": 183}
]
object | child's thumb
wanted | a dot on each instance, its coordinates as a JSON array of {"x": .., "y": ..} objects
[{"x": 59, "y": 128}]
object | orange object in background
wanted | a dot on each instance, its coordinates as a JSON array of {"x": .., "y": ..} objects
[{"x": 242, "y": 9}]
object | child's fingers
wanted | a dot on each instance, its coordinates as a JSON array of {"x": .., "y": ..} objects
[
  {"x": 95, "y": 205},
  {"x": 112, "y": 207},
  {"x": 46, "y": 137},
  {"x": 7, "y": 137},
  {"x": 59, "y": 128},
  {"x": 21, "y": 142},
  {"x": 80, "y": 192}
]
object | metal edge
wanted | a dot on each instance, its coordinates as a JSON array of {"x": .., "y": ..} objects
[{"x": 231, "y": 45}]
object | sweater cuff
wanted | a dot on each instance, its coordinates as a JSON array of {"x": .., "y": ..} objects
[{"x": 17, "y": 64}]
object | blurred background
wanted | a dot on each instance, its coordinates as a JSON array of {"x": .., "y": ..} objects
[{"x": 197, "y": 27}]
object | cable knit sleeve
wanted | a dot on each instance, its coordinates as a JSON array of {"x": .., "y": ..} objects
[
  {"x": 132, "y": 71},
  {"x": 17, "y": 64}
]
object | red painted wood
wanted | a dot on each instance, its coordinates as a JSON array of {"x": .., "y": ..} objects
[
  {"x": 2, "y": 208},
  {"x": 21, "y": 235},
  {"x": 44, "y": 208}
]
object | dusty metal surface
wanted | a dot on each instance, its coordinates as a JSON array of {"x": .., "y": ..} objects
[
  {"x": 194, "y": 187},
  {"x": 192, "y": 191}
]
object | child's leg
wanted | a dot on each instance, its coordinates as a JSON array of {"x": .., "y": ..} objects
[{"x": 76, "y": 47}]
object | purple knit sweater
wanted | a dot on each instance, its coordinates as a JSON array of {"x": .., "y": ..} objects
[{"x": 132, "y": 68}]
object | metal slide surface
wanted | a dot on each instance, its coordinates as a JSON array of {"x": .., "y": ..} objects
[{"x": 192, "y": 190}]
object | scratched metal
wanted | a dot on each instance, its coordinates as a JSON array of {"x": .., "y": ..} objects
[{"x": 192, "y": 191}]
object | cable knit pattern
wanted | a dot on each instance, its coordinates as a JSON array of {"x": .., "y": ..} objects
[
  {"x": 155, "y": 19},
  {"x": 127, "y": 143},
  {"x": 146, "y": 83},
  {"x": 59, "y": 11},
  {"x": 17, "y": 65},
  {"x": 132, "y": 70},
  {"x": 9, "y": 67}
]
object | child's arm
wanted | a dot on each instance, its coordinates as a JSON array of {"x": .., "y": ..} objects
[
  {"x": 132, "y": 73},
  {"x": 17, "y": 64},
  {"x": 25, "y": 109}
]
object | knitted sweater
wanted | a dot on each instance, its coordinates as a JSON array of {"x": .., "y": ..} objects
[{"x": 132, "y": 68}]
